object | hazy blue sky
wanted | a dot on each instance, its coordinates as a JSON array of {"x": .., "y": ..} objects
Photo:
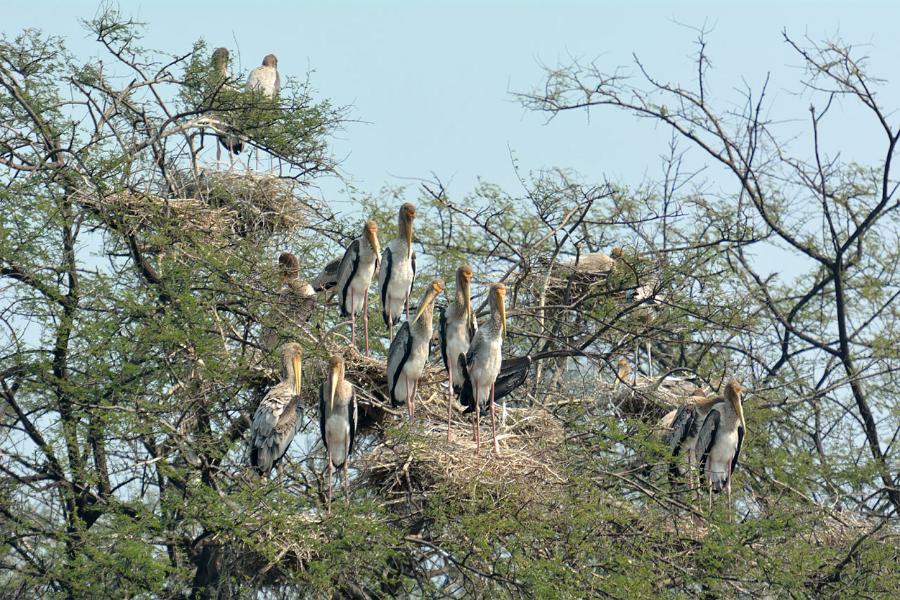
[{"x": 431, "y": 81}]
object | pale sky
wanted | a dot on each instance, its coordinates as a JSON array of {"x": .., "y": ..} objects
[{"x": 430, "y": 82}]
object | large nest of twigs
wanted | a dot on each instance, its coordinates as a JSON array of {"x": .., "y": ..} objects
[
  {"x": 588, "y": 277},
  {"x": 148, "y": 213},
  {"x": 417, "y": 455},
  {"x": 259, "y": 202}
]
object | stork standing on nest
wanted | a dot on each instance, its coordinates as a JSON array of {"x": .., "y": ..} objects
[
  {"x": 337, "y": 420},
  {"x": 681, "y": 426},
  {"x": 409, "y": 352},
  {"x": 277, "y": 416},
  {"x": 229, "y": 137},
  {"x": 354, "y": 276},
  {"x": 265, "y": 79},
  {"x": 720, "y": 439},
  {"x": 457, "y": 326},
  {"x": 398, "y": 270},
  {"x": 484, "y": 357}
]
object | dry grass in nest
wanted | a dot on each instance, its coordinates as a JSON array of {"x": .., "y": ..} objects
[{"x": 260, "y": 202}]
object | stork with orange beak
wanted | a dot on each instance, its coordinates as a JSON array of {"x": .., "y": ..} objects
[
  {"x": 398, "y": 270},
  {"x": 457, "y": 327},
  {"x": 484, "y": 358},
  {"x": 409, "y": 352},
  {"x": 354, "y": 276},
  {"x": 276, "y": 419},
  {"x": 337, "y": 420}
]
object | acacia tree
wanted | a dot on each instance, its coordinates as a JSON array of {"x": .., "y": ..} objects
[{"x": 137, "y": 298}]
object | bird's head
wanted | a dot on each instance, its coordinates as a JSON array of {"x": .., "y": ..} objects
[
  {"x": 617, "y": 253},
  {"x": 270, "y": 61},
  {"x": 370, "y": 231},
  {"x": 335, "y": 375},
  {"x": 220, "y": 58},
  {"x": 405, "y": 224},
  {"x": 437, "y": 286},
  {"x": 734, "y": 394},
  {"x": 497, "y": 300},
  {"x": 624, "y": 367},
  {"x": 288, "y": 267},
  {"x": 292, "y": 364}
]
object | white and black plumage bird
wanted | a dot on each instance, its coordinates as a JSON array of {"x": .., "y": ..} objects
[
  {"x": 409, "y": 352},
  {"x": 719, "y": 441},
  {"x": 337, "y": 420},
  {"x": 680, "y": 429},
  {"x": 265, "y": 78},
  {"x": 354, "y": 276},
  {"x": 229, "y": 138},
  {"x": 457, "y": 326},
  {"x": 484, "y": 358},
  {"x": 277, "y": 416},
  {"x": 398, "y": 270}
]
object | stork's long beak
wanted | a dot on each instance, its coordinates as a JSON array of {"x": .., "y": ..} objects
[
  {"x": 739, "y": 409},
  {"x": 501, "y": 301},
  {"x": 467, "y": 295},
  {"x": 429, "y": 298},
  {"x": 335, "y": 378},
  {"x": 408, "y": 234},
  {"x": 297, "y": 363}
]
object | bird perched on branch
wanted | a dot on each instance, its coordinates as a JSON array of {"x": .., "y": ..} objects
[
  {"x": 295, "y": 303},
  {"x": 457, "y": 326},
  {"x": 354, "y": 276},
  {"x": 623, "y": 372},
  {"x": 680, "y": 428},
  {"x": 277, "y": 416},
  {"x": 484, "y": 357},
  {"x": 265, "y": 78},
  {"x": 409, "y": 352},
  {"x": 719, "y": 441},
  {"x": 398, "y": 270},
  {"x": 229, "y": 138},
  {"x": 337, "y": 420}
]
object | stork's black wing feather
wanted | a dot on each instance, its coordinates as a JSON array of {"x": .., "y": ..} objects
[
  {"x": 737, "y": 450},
  {"x": 398, "y": 354},
  {"x": 513, "y": 373},
  {"x": 707, "y": 437},
  {"x": 327, "y": 279},
  {"x": 348, "y": 267},
  {"x": 442, "y": 337},
  {"x": 387, "y": 261}
]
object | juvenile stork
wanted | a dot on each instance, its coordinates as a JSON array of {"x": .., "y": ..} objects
[
  {"x": 297, "y": 295},
  {"x": 457, "y": 326},
  {"x": 484, "y": 358},
  {"x": 398, "y": 270},
  {"x": 680, "y": 428},
  {"x": 409, "y": 352},
  {"x": 337, "y": 420},
  {"x": 275, "y": 421},
  {"x": 354, "y": 276},
  {"x": 265, "y": 78},
  {"x": 719, "y": 441},
  {"x": 622, "y": 372},
  {"x": 229, "y": 137}
]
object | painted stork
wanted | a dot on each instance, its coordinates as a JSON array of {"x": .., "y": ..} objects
[
  {"x": 299, "y": 297},
  {"x": 680, "y": 428},
  {"x": 409, "y": 352},
  {"x": 277, "y": 416},
  {"x": 265, "y": 78},
  {"x": 337, "y": 420},
  {"x": 457, "y": 326},
  {"x": 484, "y": 358},
  {"x": 229, "y": 137},
  {"x": 719, "y": 441},
  {"x": 354, "y": 276},
  {"x": 398, "y": 270}
]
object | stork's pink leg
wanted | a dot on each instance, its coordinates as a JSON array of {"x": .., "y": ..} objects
[
  {"x": 352, "y": 319},
  {"x": 449, "y": 401},
  {"x": 494, "y": 424},
  {"x": 477, "y": 420},
  {"x": 366, "y": 320}
]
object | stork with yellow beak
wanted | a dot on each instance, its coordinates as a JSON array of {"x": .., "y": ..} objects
[
  {"x": 457, "y": 327},
  {"x": 720, "y": 439},
  {"x": 484, "y": 358},
  {"x": 409, "y": 352},
  {"x": 277, "y": 417},
  {"x": 398, "y": 270},
  {"x": 354, "y": 276},
  {"x": 337, "y": 420}
]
